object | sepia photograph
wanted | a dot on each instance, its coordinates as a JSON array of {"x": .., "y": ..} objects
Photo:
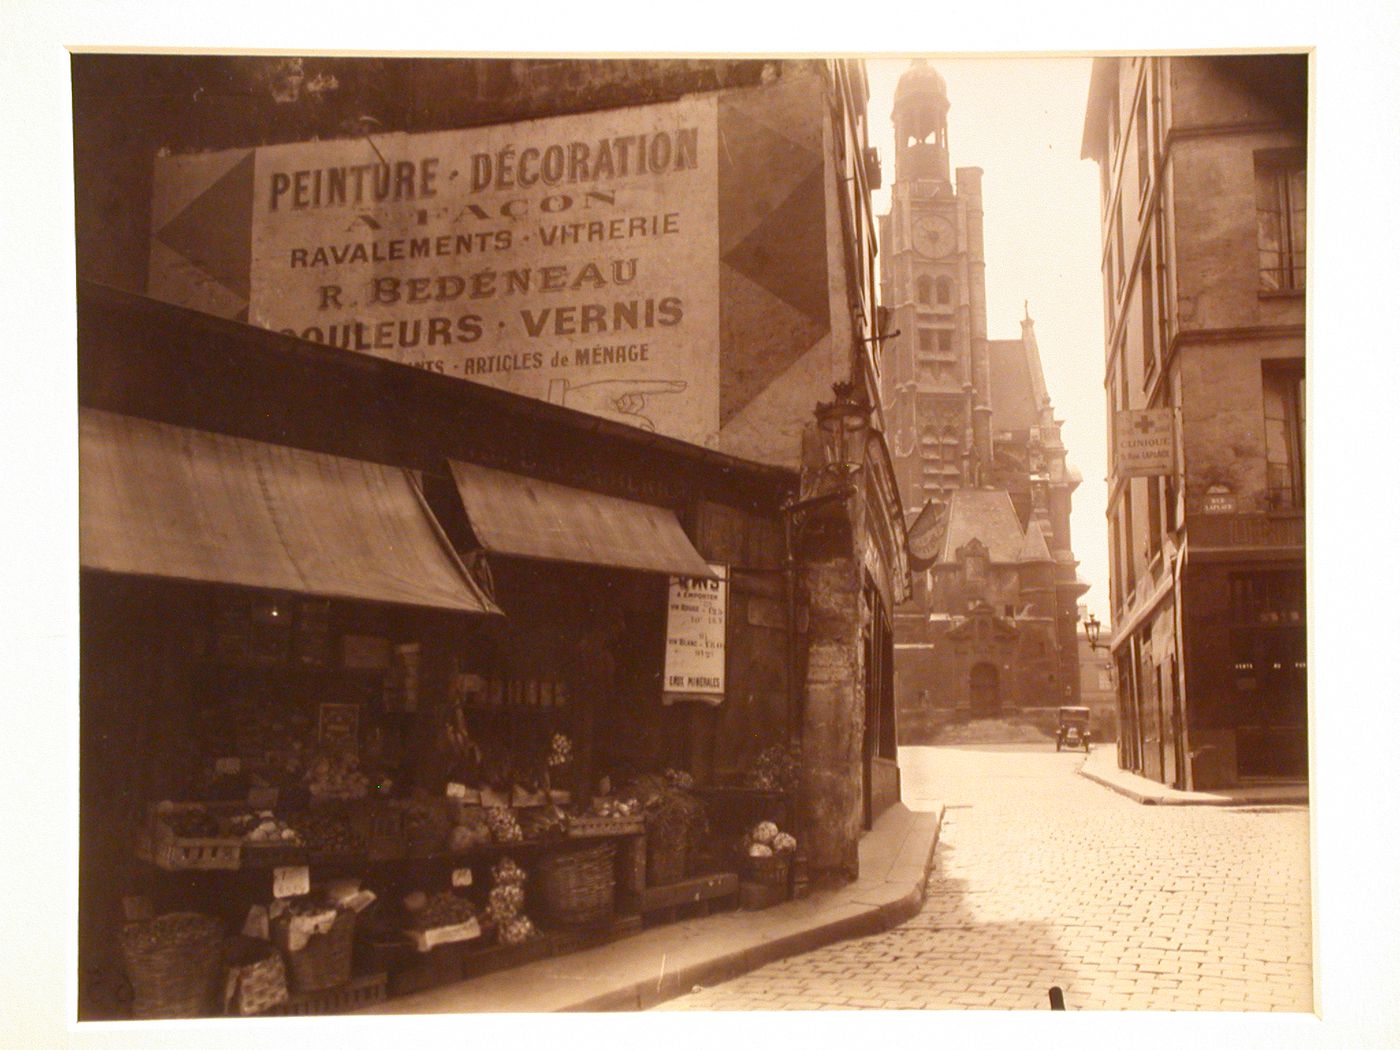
[{"x": 636, "y": 532}]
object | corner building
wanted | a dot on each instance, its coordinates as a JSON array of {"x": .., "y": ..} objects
[
  {"x": 1204, "y": 168},
  {"x": 977, "y": 451}
]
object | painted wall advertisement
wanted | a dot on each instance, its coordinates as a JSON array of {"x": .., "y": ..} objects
[
  {"x": 695, "y": 621},
  {"x": 573, "y": 259}
]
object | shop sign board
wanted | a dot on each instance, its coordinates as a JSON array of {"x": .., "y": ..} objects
[
  {"x": 340, "y": 728},
  {"x": 1142, "y": 442},
  {"x": 695, "y": 622},
  {"x": 572, "y": 258}
]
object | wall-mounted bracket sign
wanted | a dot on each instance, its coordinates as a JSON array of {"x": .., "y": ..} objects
[
  {"x": 1142, "y": 443},
  {"x": 696, "y": 612}
]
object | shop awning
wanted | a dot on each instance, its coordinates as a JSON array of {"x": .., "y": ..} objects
[
  {"x": 511, "y": 514},
  {"x": 162, "y": 500}
]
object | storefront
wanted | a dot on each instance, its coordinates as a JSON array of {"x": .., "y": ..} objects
[{"x": 405, "y": 680}]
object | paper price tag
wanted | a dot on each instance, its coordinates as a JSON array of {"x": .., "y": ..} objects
[
  {"x": 461, "y": 876},
  {"x": 228, "y": 766},
  {"x": 291, "y": 881},
  {"x": 455, "y": 790}
]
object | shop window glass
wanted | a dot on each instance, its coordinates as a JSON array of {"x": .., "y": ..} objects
[
  {"x": 1280, "y": 201},
  {"x": 1283, "y": 436}
]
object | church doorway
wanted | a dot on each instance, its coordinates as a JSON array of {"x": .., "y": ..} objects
[{"x": 983, "y": 691}]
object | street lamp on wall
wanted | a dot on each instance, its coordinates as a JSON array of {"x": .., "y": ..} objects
[
  {"x": 843, "y": 423},
  {"x": 1092, "y": 627}
]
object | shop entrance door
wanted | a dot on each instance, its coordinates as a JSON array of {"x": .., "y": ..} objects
[{"x": 984, "y": 692}]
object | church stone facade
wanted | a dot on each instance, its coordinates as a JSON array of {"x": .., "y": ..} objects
[{"x": 991, "y": 627}]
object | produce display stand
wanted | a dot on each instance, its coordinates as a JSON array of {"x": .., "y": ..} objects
[
  {"x": 355, "y": 994},
  {"x": 696, "y": 896}
]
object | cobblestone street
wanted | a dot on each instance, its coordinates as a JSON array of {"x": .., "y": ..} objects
[{"x": 1044, "y": 878}]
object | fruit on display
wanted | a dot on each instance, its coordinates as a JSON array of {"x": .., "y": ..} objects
[
  {"x": 543, "y": 823},
  {"x": 167, "y": 931},
  {"x": 337, "y": 776},
  {"x": 504, "y": 825},
  {"x": 765, "y": 831},
  {"x": 517, "y": 930},
  {"x": 325, "y": 833},
  {"x": 784, "y": 843},
  {"x": 678, "y": 778},
  {"x": 506, "y": 901},
  {"x": 506, "y": 871},
  {"x": 758, "y": 849},
  {"x": 560, "y": 750},
  {"x": 264, "y": 827},
  {"x": 444, "y": 908},
  {"x": 610, "y": 807},
  {"x": 776, "y": 769},
  {"x": 194, "y": 824}
]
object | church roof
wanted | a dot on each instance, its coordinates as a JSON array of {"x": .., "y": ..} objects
[
  {"x": 986, "y": 515},
  {"x": 1034, "y": 548},
  {"x": 1012, "y": 394}
]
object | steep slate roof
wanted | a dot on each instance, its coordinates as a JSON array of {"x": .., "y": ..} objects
[
  {"x": 1012, "y": 394},
  {"x": 987, "y": 515},
  {"x": 1034, "y": 548}
]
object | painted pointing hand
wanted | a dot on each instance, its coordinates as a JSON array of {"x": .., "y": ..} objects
[{"x": 622, "y": 400}]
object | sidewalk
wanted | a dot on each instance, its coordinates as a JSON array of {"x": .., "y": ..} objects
[
  {"x": 1101, "y": 766},
  {"x": 666, "y": 961}
]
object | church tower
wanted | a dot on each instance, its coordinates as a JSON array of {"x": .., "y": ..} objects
[
  {"x": 932, "y": 277},
  {"x": 977, "y": 450}
]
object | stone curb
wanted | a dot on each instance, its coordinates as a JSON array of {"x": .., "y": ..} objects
[
  {"x": 1188, "y": 798},
  {"x": 874, "y": 918}
]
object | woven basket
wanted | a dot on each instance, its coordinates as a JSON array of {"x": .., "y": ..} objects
[
  {"x": 666, "y": 859},
  {"x": 769, "y": 871},
  {"x": 577, "y": 885},
  {"x": 174, "y": 975},
  {"x": 255, "y": 979},
  {"x": 325, "y": 961}
]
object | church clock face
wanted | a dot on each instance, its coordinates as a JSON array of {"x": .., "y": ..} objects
[{"x": 933, "y": 236}]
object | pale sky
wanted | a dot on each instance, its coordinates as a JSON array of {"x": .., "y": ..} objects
[{"x": 1020, "y": 120}]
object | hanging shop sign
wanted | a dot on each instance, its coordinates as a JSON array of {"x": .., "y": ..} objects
[
  {"x": 695, "y": 620},
  {"x": 1143, "y": 442}
]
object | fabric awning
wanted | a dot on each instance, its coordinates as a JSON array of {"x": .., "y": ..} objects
[
  {"x": 162, "y": 500},
  {"x": 511, "y": 514}
]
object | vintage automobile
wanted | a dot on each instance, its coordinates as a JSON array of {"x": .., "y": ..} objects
[{"x": 1074, "y": 728}]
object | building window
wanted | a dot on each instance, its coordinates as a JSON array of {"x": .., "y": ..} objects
[
  {"x": 1280, "y": 201},
  {"x": 1129, "y": 554},
  {"x": 945, "y": 291},
  {"x": 945, "y": 341},
  {"x": 1283, "y": 436},
  {"x": 924, "y": 290},
  {"x": 925, "y": 340},
  {"x": 1267, "y": 598},
  {"x": 1154, "y": 517}
]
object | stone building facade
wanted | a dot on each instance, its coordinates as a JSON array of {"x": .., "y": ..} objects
[
  {"x": 319, "y": 196},
  {"x": 977, "y": 449},
  {"x": 1203, "y": 173}
]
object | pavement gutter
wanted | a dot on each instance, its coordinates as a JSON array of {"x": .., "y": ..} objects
[{"x": 1147, "y": 792}]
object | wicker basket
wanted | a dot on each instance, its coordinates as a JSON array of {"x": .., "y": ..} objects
[
  {"x": 174, "y": 974},
  {"x": 666, "y": 858},
  {"x": 577, "y": 885},
  {"x": 325, "y": 960},
  {"x": 255, "y": 979},
  {"x": 768, "y": 871}
]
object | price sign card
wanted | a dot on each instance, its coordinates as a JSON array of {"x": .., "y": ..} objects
[
  {"x": 291, "y": 881},
  {"x": 461, "y": 877}
]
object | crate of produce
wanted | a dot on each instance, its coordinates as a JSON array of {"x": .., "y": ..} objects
[
  {"x": 589, "y": 826},
  {"x": 355, "y": 994},
  {"x": 578, "y": 884},
  {"x": 186, "y": 836},
  {"x": 327, "y": 835},
  {"x": 768, "y": 871},
  {"x": 321, "y": 959},
  {"x": 174, "y": 963},
  {"x": 378, "y": 824},
  {"x": 255, "y": 977}
]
